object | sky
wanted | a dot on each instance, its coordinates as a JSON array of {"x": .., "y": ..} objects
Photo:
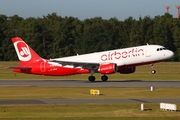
[{"x": 85, "y": 9}]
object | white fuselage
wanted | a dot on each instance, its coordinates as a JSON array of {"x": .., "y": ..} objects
[{"x": 126, "y": 56}]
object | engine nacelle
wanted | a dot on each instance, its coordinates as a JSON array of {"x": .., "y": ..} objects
[
  {"x": 127, "y": 69},
  {"x": 108, "y": 68}
]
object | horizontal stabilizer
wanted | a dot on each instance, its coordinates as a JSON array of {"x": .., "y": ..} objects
[{"x": 20, "y": 68}]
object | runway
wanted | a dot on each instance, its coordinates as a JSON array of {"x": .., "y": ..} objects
[{"x": 85, "y": 83}]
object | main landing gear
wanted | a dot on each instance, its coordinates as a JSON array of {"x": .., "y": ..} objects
[
  {"x": 152, "y": 69},
  {"x": 92, "y": 78},
  {"x": 104, "y": 78}
]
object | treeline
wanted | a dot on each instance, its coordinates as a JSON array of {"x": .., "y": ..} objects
[{"x": 53, "y": 36}]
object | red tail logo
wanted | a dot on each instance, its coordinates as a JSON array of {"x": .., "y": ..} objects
[
  {"x": 25, "y": 53},
  {"x": 22, "y": 50}
]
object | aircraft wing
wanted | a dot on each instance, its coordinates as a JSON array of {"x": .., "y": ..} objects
[{"x": 85, "y": 65}]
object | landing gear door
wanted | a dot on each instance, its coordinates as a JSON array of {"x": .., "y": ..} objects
[{"x": 148, "y": 51}]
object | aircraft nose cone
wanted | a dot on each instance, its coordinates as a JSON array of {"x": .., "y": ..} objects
[{"x": 170, "y": 54}]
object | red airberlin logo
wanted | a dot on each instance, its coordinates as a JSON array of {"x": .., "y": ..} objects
[
  {"x": 115, "y": 55},
  {"x": 22, "y": 50}
]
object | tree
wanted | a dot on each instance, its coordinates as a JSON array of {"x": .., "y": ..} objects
[
  {"x": 3, "y": 28},
  {"x": 162, "y": 31},
  {"x": 176, "y": 37},
  {"x": 54, "y": 36}
]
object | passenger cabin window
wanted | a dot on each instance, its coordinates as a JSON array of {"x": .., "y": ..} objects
[{"x": 160, "y": 49}]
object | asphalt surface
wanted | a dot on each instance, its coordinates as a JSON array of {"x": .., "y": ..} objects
[
  {"x": 84, "y": 83},
  {"x": 92, "y": 101}
]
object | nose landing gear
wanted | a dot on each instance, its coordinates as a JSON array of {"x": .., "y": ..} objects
[{"x": 152, "y": 69}]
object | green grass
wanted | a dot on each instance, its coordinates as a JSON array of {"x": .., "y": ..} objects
[
  {"x": 165, "y": 71},
  {"x": 86, "y": 112},
  {"x": 71, "y": 93}
]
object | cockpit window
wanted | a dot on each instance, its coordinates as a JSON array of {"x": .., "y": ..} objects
[
  {"x": 160, "y": 49},
  {"x": 164, "y": 49}
]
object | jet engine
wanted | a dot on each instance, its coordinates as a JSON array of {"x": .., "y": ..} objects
[{"x": 108, "y": 68}]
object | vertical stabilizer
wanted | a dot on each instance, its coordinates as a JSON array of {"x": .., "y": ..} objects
[{"x": 25, "y": 53}]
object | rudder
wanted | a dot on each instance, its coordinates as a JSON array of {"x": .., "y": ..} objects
[{"x": 25, "y": 53}]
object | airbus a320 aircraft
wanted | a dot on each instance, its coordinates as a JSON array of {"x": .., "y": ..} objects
[{"x": 107, "y": 62}]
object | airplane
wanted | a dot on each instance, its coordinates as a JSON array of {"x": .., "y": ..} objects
[{"x": 123, "y": 61}]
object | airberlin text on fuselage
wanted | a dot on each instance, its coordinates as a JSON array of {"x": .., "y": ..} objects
[{"x": 115, "y": 55}]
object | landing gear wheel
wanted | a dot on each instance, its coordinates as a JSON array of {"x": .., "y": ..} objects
[
  {"x": 104, "y": 78},
  {"x": 91, "y": 78},
  {"x": 153, "y": 71}
]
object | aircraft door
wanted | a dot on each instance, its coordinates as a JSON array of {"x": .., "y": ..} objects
[
  {"x": 43, "y": 67},
  {"x": 148, "y": 51}
]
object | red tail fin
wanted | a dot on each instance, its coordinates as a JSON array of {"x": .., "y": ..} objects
[{"x": 25, "y": 53}]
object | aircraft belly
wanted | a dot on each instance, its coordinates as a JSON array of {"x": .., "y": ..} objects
[{"x": 62, "y": 71}]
